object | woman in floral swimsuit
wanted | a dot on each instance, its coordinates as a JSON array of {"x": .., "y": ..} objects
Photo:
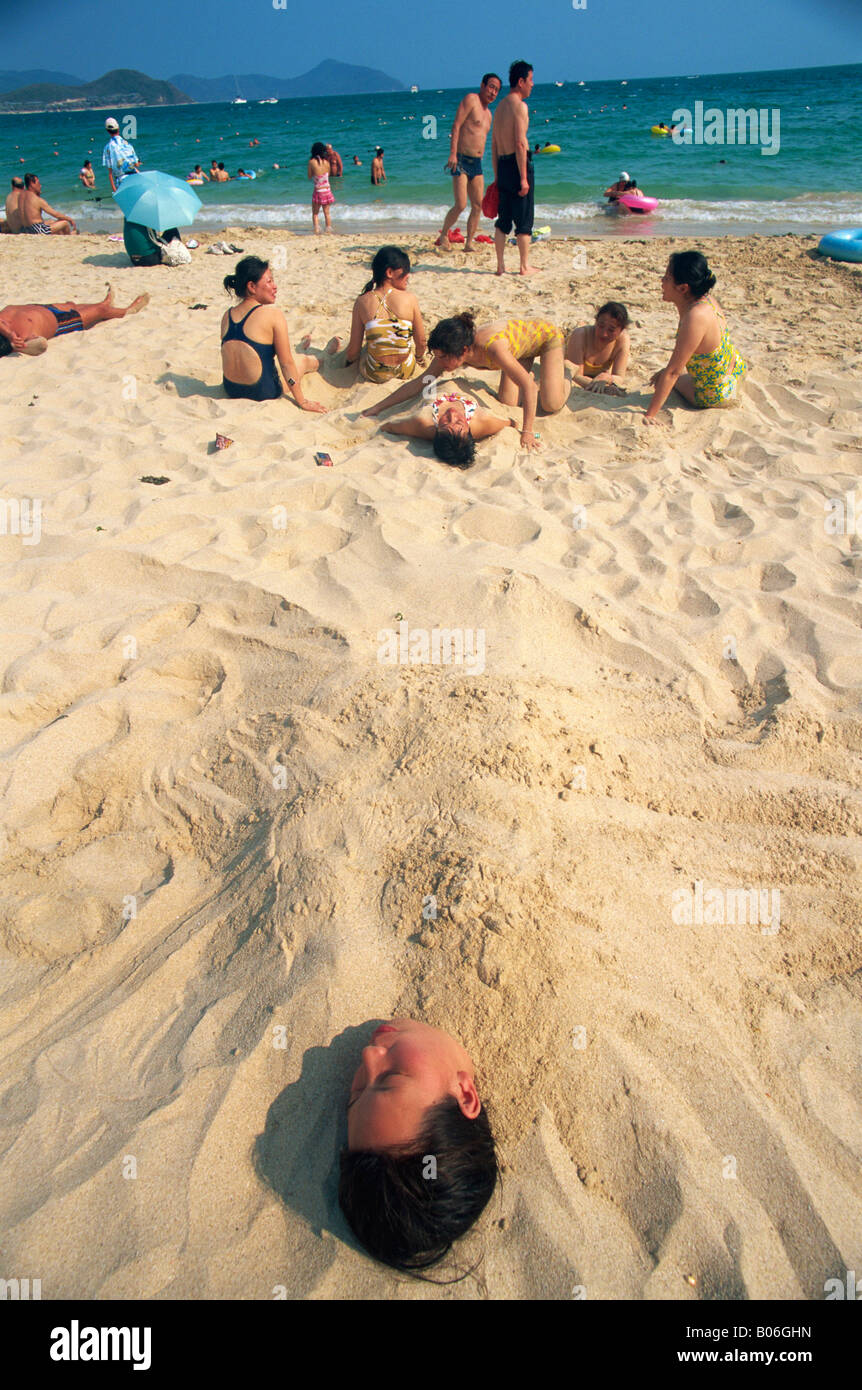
[{"x": 703, "y": 346}]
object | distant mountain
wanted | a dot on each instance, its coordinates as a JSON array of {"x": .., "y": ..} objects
[
  {"x": 122, "y": 87},
  {"x": 9, "y": 81},
  {"x": 326, "y": 80}
]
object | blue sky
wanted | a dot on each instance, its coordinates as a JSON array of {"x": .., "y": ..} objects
[{"x": 439, "y": 44}]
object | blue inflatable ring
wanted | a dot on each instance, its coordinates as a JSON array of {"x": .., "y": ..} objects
[{"x": 842, "y": 246}]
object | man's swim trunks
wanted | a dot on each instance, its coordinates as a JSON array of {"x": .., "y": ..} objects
[
  {"x": 68, "y": 320},
  {"x": 468, "y": 164},
  {"x": 513, "y": 208},
  {"x": 37, "y": 229}
]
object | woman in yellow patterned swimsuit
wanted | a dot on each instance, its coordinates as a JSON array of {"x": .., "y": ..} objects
[
  {"x": 703, "y": 344},
  {"x": 509, "y": 345}
]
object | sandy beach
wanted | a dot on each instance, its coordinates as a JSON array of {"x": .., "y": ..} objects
[{"x": 224, "y": 816}]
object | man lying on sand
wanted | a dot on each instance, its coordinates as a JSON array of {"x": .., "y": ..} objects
[{"x": 27, "y": 327}]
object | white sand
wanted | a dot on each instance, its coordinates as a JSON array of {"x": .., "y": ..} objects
[{"x": 678, "y": 1106}]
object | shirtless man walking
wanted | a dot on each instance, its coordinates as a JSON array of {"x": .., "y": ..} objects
[
  {"x": 466, "y": 147},
  {"x": 513, "y": 167}
]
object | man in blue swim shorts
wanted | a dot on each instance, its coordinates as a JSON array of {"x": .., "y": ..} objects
[
  {"x": 27, "y": 327},
  {"x": 466, "y": 147}
]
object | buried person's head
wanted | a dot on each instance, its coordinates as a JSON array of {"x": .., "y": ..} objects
[{"x": 420, "y": 1165}]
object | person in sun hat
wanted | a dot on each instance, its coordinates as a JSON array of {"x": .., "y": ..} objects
[
  {"x": 615, "y": 189},
  {"x": 118, "y": 156}
]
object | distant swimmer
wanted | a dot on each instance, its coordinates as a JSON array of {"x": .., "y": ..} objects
[
  {"x": 221, "y": 174},
  {"x": 87, "y": 174},
  {"x": 356, "y": 159},
  {"x": 197, "y": 175},
  {"x": 336, "y": 164},
  {"x": 27, "y": 327},
  {"x": 378, "y": 173},
  {"x": 466, "y": 147},
  {"x": 615, "y": 189}
]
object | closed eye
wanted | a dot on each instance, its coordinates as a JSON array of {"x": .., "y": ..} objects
[{"x": 384, "y": 1076}]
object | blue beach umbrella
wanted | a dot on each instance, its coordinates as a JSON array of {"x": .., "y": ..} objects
[{"x": 157, "y": 200}]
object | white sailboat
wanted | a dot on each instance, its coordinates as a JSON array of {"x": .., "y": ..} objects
[
  {"x": 239, "y": 99},
  {"x": 414, "y": 88}
]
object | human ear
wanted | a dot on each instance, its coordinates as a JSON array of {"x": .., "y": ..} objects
[{"x": 467, "y": 1095}]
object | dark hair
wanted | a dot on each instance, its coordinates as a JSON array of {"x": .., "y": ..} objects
[
  {"x": 690, "y": 268},
  {"x": 221, "y": 165},
  {"x": 387, "y": 258},
  {"x": 410, "y": 1221},
  {"x": 5, "y": 346},
  {"x": 458, "y": 450},
  {"x": 248, "y": 272},
  {"x": 318, "y": 150},
  {"x": 487, "y": 78},
  {"x": 379, "y": 149},
  {"x": 632, "y": 183},
  {"x": 616, "y": 311},
  {"x": 30, "y": 179},
  {"x": 453, "y": 336},
  {"x": 18, "y": 182},
  {"x": 517, "y": 71}
]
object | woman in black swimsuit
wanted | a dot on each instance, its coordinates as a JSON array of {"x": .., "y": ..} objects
[{"x": 249, "y": 350}]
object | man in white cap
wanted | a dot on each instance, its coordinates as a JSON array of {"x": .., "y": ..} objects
[
  {"x": 118, "y": 156},
  {"x": 615, "y": 189}
]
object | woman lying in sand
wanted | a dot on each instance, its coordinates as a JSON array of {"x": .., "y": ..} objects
[
  {"x": 600, "y": 352},
  {"x": 420, "y": 1164},
  {"x": 387, "y": 316},
  {"x": 453, "y": 423},
  {"x": 509, "y": 345},
  {"x": 248, "y": 356},
  {"x": 702, "y": 341},
  {"x": 27, "y": 327}
]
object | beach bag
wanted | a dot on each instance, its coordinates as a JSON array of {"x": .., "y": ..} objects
[
  {"x": 491, "y": 201},
  {"x": 174, "y": 253}
]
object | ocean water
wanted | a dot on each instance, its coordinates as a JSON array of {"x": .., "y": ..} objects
[{"x": 813, "y": 183}]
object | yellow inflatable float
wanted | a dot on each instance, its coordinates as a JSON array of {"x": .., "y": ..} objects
[
  {"x": 550, "y": 149},
  {"x": 659, "y": 130}
]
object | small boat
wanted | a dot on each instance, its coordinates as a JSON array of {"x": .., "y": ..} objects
[
  {"x": 268, "y": 101},
  {"x": 559, "y": 84},
  {"x": 414, "y": 88},
  {"x": 581, "y": 84},
  {"x": 239, "y": 101}
]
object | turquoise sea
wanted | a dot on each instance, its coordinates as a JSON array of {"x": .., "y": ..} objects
[{"x": 811, "y": 184}]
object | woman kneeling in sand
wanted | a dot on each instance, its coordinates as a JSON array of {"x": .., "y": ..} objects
[
  {"x": 508, "y": 345},
  {"x": 248, "y": 356},
  {"x": 420, "y": 1164},
  {"x": 599, "y": 353},
  {"x": 703, "y": 344}
]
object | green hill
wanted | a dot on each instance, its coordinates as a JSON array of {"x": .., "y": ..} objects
[{"x": 121, "y": 88}]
